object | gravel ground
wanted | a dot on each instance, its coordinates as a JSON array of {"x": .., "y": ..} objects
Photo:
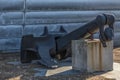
[{"x": 26, "y": 71}]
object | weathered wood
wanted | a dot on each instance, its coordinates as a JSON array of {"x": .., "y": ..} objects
[
  {"x": 51, "y": 17},
  {"x": 11, "y": 18},
  {"x": 9, "y": 45},
  {"x": 11, "y": 31},
  {"x": 90, "y": 55},
  {"x": 46, "y": 17},
  {"x": 117, "y": 27},
  {"x": 15, "y": 31},
  {"x": 37, "y": 30},
  {"x": 13, "y": 5},
  {"x": 72, "y": 4},
  {"x": 52, "y": 27},
  {"x": 51, "y": 13},
  {"x": 31, "y": 5}
]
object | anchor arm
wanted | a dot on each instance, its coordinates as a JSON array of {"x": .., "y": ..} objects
[{"x": 87, "y": 30}]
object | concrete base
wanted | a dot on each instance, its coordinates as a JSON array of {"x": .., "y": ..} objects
[{"x": 91, "y": 56}]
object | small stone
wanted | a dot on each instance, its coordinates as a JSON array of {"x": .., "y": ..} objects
[
  {"x": 41, "y": 72},
  {"x": 14, "y": 63}
]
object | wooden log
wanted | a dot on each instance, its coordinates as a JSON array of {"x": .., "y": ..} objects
[
  {"x": 9, "y": 45},
  {"x": 11, "y": 5},
  {"x": 50, "y": 17},
  {"x": 91, "y": 56},
  {"x": 10, "y": 31},
  {"x": 12, "y": 18},
  {"x": 72, "y": 4}
]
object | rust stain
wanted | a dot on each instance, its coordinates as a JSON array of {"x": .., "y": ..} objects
[
  {"x": 100, "y": 56},
  {"x": 92, "y": 56}
]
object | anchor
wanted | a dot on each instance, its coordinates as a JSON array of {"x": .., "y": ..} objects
[{"x": 47, "y": 46}]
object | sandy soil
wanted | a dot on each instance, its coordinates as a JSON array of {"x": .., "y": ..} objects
[
  {"x": 26, "y": 72},
  {"x": 116, "y": 55}
]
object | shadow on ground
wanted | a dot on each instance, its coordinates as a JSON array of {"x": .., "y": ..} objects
[{"x": 12, "y": 69}]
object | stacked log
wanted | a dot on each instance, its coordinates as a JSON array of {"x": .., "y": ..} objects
[{"x": 22, "y": 17}]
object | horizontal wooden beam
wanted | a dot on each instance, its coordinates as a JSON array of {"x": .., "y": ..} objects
[
  {"x": 72, "y": 5},
  {"x": 11, "y": 5}
]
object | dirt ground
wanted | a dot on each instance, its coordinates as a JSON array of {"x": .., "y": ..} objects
[{"x": 26, "y": 72}]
